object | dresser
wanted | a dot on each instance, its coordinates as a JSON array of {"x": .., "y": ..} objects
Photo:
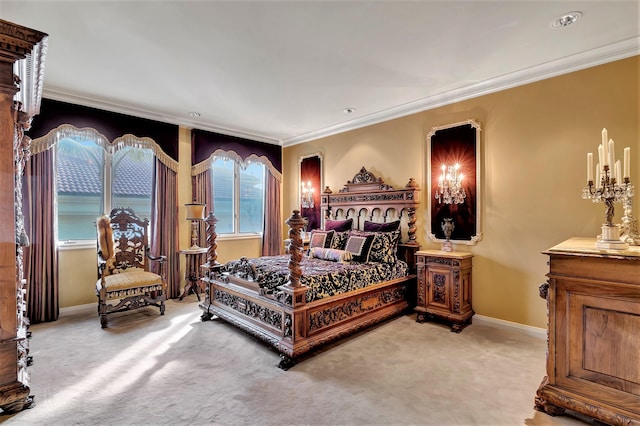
[
  {"x": 21, "y": 64},
  {"x": 593, "y": 354},
  {"x": 444, "y": 287}
]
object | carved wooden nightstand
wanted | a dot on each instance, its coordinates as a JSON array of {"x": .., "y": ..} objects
[{"x": 444, "y": 287}]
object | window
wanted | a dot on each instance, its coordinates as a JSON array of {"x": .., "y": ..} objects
[
  {"x": 90, "y": 181},
  {"x": 238, "y": 196}
]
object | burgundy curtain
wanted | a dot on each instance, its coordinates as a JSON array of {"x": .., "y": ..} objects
[
  {"x": 272, "y": 233},
  {"x": 164, "y": 225},
  {"x": 202, "y": 190},
  {"x": 41, "y": 257}
]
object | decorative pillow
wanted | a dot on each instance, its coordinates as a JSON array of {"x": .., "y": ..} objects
[
  {"x": 321, "y": 238},
  {"x": 384, "y": 247},
  {"x": 359, "y": 246},
  {"x": 338, "y": 225},
  {"x": 381, "y": 227},
  {"x": 339, "y": 240},
  {"x": 333, "y": 255}
]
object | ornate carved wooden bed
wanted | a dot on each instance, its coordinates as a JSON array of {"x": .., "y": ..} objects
[{"x": 295, "y": 317}]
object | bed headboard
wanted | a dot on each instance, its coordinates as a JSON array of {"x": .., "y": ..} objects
[{"x": 367, "y": 193}]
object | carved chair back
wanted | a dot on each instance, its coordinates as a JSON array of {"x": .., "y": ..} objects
[{"x": 130, "y": 239}]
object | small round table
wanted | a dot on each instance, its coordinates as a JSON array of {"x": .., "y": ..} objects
[{"x": 194, "y": 257}]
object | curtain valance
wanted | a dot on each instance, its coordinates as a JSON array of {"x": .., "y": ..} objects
[
  {"x": 203, "y": 166},
  {"x": 111, "y": 125},
  {"x": 68, "y": 131},
  {"x": 204, "y": 144}
]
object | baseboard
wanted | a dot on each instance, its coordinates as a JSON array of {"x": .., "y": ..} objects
[{"x": 538, "y": 332}]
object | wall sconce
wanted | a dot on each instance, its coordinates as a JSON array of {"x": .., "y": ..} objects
[
  {"x": 195, "y": 213},
  {"x": 306, "y": 195},
  {"x": 450, "y": 190}
]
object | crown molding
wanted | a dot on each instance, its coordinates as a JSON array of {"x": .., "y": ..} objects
[
  {"x": 74, "y": 98},
  {"x": 612, "y": 52},
  {"x": 609, "y": 53}
]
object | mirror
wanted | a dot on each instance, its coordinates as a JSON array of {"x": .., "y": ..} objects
[
  {"x": 310, "y": 189},
  {"x": 453, "y": 176}
]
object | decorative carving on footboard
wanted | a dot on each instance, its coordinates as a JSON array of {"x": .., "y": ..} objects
[
  {"x": 353, "y": 307},
  {"x": 245, "y": 270},
  {"x": 249, "y": 308}
]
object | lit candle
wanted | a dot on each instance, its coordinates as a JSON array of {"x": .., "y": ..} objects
[
  {"x": 618, "y": 172},
  {"x": 627, "y": 155},
  {"x": 605, "y": 139},
  {"x": 600, "y": 156},
  {"x": 590, "y": 167},
  {"x": 612, "y": 154}
]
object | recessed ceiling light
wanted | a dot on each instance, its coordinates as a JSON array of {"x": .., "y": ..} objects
[
  {"x": 349, "y": 110},
  {"x": 194, "y": 114},
  {"x": 566, "y": 19}
]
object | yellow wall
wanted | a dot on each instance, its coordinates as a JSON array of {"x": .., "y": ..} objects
[{"x": 533, "y": 166}]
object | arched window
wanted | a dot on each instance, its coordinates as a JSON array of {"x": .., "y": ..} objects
[
  {"x": 93, "y": 175},
  {"x": 238, "y": 195}
]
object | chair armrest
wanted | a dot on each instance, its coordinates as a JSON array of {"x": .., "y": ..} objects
[{"x": 154, "y": 258}]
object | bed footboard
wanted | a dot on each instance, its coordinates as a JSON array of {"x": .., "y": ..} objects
[{"x": 294, "y": 331}]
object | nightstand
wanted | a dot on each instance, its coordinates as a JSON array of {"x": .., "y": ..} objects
[{"x": 444, "y": 287}]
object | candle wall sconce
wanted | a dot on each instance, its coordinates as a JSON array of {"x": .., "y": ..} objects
[
  {"x": 612, "y": 184},
  {"x": 454, "y": 180},
  {"x": 306, "y": 195},
  {"x": 310, "y": 175},
  {"x": 450, "y": 190}
]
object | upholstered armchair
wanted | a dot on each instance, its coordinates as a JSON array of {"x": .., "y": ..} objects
[{"x": 123, "y": 266}]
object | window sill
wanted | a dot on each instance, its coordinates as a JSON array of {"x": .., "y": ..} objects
[
  {"x": 76, "y": 245},
  {"x": 231, "y": 237}
]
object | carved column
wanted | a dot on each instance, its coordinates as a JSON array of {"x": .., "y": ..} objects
[{"x": 21, "y": 52}]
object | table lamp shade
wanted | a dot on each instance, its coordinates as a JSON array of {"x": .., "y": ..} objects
[{"x": 195, "y": 211}]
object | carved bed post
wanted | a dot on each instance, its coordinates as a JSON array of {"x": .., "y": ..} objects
[
  {"x": 295, "y": 294},
  {"x": 296, "y": 223},
  {"x": 411, "y": 212},
  {"x": 325, "y": 200},
  {"x": 212, "y": 256}
]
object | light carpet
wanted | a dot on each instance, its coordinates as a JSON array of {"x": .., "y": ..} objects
[{"x": 147, "y": 369}]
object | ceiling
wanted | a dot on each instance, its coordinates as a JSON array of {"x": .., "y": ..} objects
[{"x": 284, "y": 72}]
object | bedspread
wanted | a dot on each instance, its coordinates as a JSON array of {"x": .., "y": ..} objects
[{"x": 323, "y": 278}]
